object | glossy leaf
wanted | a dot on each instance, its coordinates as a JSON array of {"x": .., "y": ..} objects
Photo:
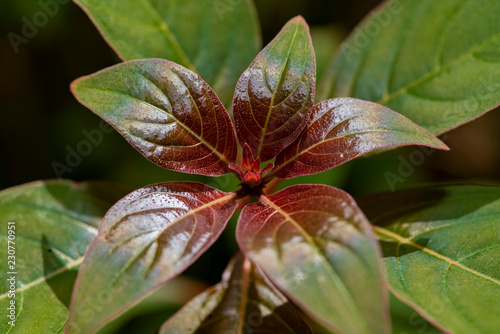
[
  {"x": 437, "y": 63},
  {"x": 147, "y": 238},
  {"x": 273, "y": 96},
  {"x": 317, "y": 247},
  {"x": 55, "y": 221},
  {"x": 165, "y": 111},
  {"x": 344, "y": 128},
  {"x": 442, "y": 252},
  {"x": 244, "y": 302},
  {"x": 216, "y": 39}
]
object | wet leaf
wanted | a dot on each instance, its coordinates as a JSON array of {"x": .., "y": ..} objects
[
  {"x": 215, "y": 39},
  {"x": 166, "y": 112},
  {"x": 147, "y": 238},
  {"x": 54, "y": 222},
  {"x": 244, "y": 302},
  {"x": 344, "y": 128},
  {"x": 273, "y": 96},
  {"x": 317, "y": 247},
  {"x": 441, "y": 250},
  {"x": 436, "y": 62}
]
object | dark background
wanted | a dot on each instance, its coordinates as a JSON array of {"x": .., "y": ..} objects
[{"x": 40, "y": 119}]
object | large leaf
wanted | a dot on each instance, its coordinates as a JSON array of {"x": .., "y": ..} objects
[
  {"x": 55, "y": 221},
  {"x": 344, "y": 128},
  {"x": 147, "y": 238},
  {"x": 442, "y": 252},
  {"x": 315, "y": 244},
  {"x": 273, "y": 96},
  {"x": 436, "y": 62},
  {"x": 216, "y": 39},
  {"x": 165, "y": 111},
  {"x": 244, "y": 302}
]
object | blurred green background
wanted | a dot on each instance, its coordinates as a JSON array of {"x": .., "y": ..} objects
[{"x": 41, "y": 121}]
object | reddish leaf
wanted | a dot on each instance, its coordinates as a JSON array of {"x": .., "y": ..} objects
[
  {"x": 244, "y": 302},
  {"x": 273, "y": 96},
  {"x": 167, "y": 112},
  {"x": 318, "y": 248},
  {"x": 344, "y": 128},
  {"x": 147, "y": 238}
]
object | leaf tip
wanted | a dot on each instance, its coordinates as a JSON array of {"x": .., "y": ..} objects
[
  {"x": 74, "y": 85},
  {"x": 299, "y": 20},
  {"x": 441, "y": 145},
  {"x": 435, "y": 143}
]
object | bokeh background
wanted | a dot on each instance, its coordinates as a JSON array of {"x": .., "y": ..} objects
[{"x": 41, "y": 121}]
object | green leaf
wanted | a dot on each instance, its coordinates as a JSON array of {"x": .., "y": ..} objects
[
  {"x": 146, "y": 239},
  {"x": 442, "y": 252},
  {"x": 55, "y": 221},
  {"x": 244, "y": 302},
  {"x": 316, "y": 246},
  {"x": 436, "y": 62},
  {"x": 168, "y": 113},
  {"x": 273, "y": 96},
  {"x": 342, "y": 129},
  {"x": 216, "y": 39}
]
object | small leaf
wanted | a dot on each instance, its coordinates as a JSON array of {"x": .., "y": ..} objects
[
  {"x": 442, "y": 252},
  {"x": 317, "y": 247},
  {"x": 436, "y": 62},
  {"x": 53, "y": 223},
  {"x": 244, "y": 302},
  {"x": 344, "y": 128},
  {"x": 147, "y": 238},
  {"x": 166, "y": 112},
  {"x": 273, "y": 96},
  {"x": 216, "y": 39}
]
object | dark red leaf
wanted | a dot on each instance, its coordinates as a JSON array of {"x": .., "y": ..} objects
[
  {"x": 147, "y": 238},
  {"x": 273, "y": 96},
  {"x": 167, "y": 112},
  {"x": 318, "y": 248},
  {"x": 344, "y": 128},
  {"x": 244, "y": 302}
]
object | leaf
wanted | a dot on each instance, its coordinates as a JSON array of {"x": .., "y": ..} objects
[
  {"x": 317, "y": 247},
  {"x": 244, "y": 302},
  {"x": 55, "y": 221},
  {"x": 437, "y": 63},
  {"x": 146, "y": 239},
  {"x": 216, "y": 39},
  {"x": 166, "y": 112},
  {"x": 442, "y": 249},
  {"x": 344, "y": 128},
  {"x": 273, "y": 96}
]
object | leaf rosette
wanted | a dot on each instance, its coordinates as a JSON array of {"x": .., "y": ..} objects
[{"x": 308, "y": 245}]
